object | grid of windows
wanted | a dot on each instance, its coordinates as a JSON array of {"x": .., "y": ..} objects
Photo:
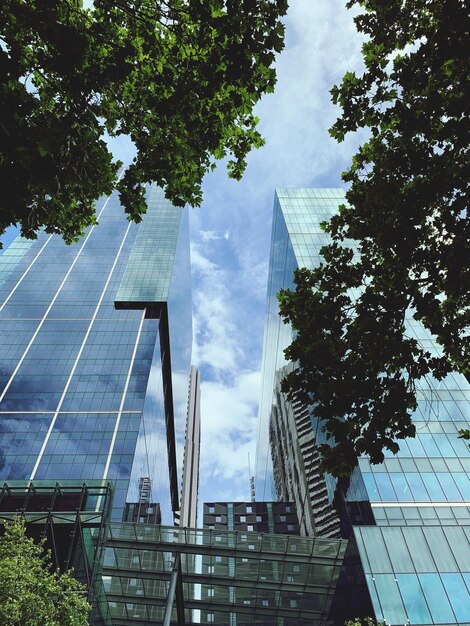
[
  {"x": 425, "y": 488},
  {"x": 239, "y": 577},
  {"x": 268, "y": 517},
  {"x": 417, "y": 575},
  {"x": 74, "y": 371}
]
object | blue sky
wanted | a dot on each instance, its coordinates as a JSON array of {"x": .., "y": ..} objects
[
  {"x": 231, "y": 231},
  {"x": 231, "y": 235}
]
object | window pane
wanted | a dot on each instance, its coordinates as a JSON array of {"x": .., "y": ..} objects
[
  {"x": 463, "y": 483},
  {"x": 449, "y": 487},
  {"x": 458, "y": 596},
  {"x": 401, "y": 487},
  {"x": 376, "y": 549},
  {"x": 433, "y": 487},
  {"x": 399, "y": 555},
  {"x": 371, "y": 585},
  {"x": 385, "y": 488},
  {"x": 416, "y": 448},
  {"x": 417, "y": 487},
  {"x": 371, "y": 487},
  {"x": 419, "y": 549},
  {"x": 429, "y": 445},
  {"x": 459, "y": 545},
  {"x": 436, "y": 597},
  {"x": 390, "y": 599},
  {"x": 440, "y": 550},
  {"x": 413, "y": 599},
  {"x": 444, "y": 446}
]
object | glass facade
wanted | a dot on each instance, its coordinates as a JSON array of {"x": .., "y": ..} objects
[
  {"x": 86, "y": 333},
  {"x": 416, "y": 545},
  {"x": 296, "y": 464},
  {"x": 417, "y": 574},
  {"x": 295, "y": 242},
  {"x": 225, "y": 577}
]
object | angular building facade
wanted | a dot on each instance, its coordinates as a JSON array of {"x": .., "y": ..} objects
[
  {"x": 96, "y": 401},
  {"x": 95, "y": 355},
  {"x": 295, "y": 242},
  {"x": 407, "y": 519}
]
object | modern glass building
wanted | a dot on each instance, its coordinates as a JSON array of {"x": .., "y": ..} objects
[
  {"x": 95, "y": 355},
  {"x": 408, "y": 519},
  {"x": 295, "y": 242}
]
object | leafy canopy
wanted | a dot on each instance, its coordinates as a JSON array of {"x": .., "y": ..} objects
[
  {"x": 179, "y": 77},
  {"x": 406, "y": 216},
  {"x": 30, "y": 593}
]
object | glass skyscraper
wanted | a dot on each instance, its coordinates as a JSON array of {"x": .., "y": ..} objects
[
  {"x": 95, "y": 355},
  {"x": 408, "y": 519},
  {"x": 295, "y": 242}
]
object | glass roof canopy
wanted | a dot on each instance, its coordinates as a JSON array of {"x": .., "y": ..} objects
[{"x": 157, "y": 575}]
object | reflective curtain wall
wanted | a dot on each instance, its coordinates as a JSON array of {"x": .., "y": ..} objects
[
  {"x": 410, "y": 515},
  {"x": 80, "y": 357},
  {"x": 296, "y": 240}
]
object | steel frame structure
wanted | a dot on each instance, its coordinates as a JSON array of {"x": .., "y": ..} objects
[
  {"x": 159, "y": 576},
  {"x": 72, "y": 516}
]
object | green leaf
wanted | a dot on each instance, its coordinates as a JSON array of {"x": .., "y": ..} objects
[
  {"x": 180, "y": 80},
  {"x": 407, "y": 218},
  {"x": 31, "y": 591}
]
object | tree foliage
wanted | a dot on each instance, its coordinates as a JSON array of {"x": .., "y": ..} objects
[
  {"x": 179, "y": 77},
  {"x": 30, "y": 593},
  {"x": 400, "y": 244}
]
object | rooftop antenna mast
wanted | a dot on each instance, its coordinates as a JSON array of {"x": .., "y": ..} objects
[{"x": 252, "y": 481}]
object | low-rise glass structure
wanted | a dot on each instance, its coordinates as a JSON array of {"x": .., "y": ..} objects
[{"x": 153, "y": 573}]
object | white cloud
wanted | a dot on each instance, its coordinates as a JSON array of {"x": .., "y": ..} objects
[
  {"x": 216, "y": 345},
  {"x": 211, "y": 235},
  {"x": 228, "y": 432},
  {"x": 230, "y": 270}
]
